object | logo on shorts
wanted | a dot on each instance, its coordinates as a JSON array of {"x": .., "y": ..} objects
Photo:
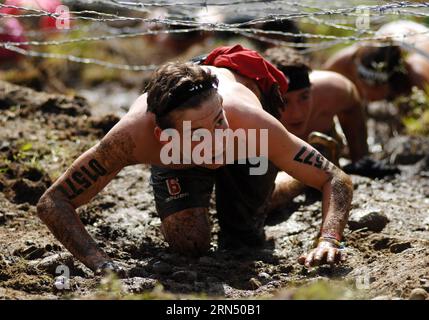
[{"x": 173, "y": 186}]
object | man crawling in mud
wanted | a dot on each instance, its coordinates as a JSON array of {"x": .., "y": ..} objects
[
  {"x": 384, "y": 70},
  {"x": 313, "y": 99},
  {"x": 232, "y": 88}
]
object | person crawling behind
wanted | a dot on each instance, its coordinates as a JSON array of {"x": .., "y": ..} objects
[
  {"x": 313, "y": 99},
  {"x": 388, "y": 68}
]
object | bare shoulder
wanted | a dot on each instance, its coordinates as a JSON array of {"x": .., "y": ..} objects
[
  {"x": 330, "y": 80},
  {"x": 238, "y": 100},
  {"x": 341, "y": 60},
  {"x": 333, "y": 91},
  {"x": 131, "y": 137},
  {"x": 139, "y": 105},
  {"x": 233, "y": 91},
  {"x": 242, "y": 108}
]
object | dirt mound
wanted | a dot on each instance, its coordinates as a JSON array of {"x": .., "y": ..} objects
[
  {"x": 23, "y": 184},
  {"x": 13, "y": 96}
]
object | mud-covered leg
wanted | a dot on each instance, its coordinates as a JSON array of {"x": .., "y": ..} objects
[
  {"x": 188, "y": 231},
  {"x": 285, "y": 190}
]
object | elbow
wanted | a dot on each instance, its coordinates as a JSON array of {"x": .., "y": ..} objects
[
  {"x": 52, "y": 204},
  {"x": 342, "y": 181},
  {"x": 49, "y": 203},
  {"x": 339, "y": 181},
  {"x": 347, "y": 180},
  {"x": 43, "y": 205}
]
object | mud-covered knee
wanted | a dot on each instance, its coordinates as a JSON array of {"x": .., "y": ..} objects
[{"x": 188, "y": 232}]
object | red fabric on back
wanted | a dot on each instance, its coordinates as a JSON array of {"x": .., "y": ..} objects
[{"x": 250, "y": 64}]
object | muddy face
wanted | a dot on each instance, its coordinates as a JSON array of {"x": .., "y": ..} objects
[
  {"x": 297, "y": 111},
  {"x": 204, "y": 121}
]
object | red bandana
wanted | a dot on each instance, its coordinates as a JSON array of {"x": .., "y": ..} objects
[{"x": 250, "y": 64}]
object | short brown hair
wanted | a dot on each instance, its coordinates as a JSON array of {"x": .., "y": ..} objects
[
  {"x": 286, "y": 58},
  {"x": 175, "y": 83}
]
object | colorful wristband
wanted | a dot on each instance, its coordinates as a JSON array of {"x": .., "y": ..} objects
[
  {"x": 332, "y": 235},
  {"x": 334, "y": 241}
]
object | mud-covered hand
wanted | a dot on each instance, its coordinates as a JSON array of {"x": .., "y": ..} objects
[
  {"x": 326, "y": 252},
  {"x": 371, "y": 168}
]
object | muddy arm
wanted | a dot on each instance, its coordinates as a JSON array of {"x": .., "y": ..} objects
[
  {"x": 301, "y": 161},
  {"x": 87, "y": 176},
  {"x": 353, "y": 123},
  {"x": 307, "y": 165}
]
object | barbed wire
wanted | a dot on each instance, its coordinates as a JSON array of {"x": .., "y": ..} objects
[
  {"x": 270, "y": 18},
  {"x": 338, "y": 26},
  {"x": 202, "y": 4},
  {"x": 316, "y": 16},
  {"x": 72, "y": 58},
  {"x": 248, "y": 32},
  {"x": 99, "y": 38},
  {"x": 354, "y": 11}
]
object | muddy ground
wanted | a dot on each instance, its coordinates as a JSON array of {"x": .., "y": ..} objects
[{"x": 42, "y": 134}]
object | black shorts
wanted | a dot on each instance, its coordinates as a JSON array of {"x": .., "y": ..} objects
[{"x": 241, "y": 198}]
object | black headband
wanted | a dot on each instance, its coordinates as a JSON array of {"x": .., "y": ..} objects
[
  {"x": 298, "y": 78},
  {"x": 184, "y": 93},
  {"x": 372, "y": 76}
]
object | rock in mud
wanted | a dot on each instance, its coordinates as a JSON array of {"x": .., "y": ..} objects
[
  {"x": 372, "y": 219},
  {"x": 55, "y": 264},
  {"x": 418, "y": 294},
  {"x": 160, "y": 267},
  {"x": 264, "y": 276},
  {"x": 407, "y": 149}
]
